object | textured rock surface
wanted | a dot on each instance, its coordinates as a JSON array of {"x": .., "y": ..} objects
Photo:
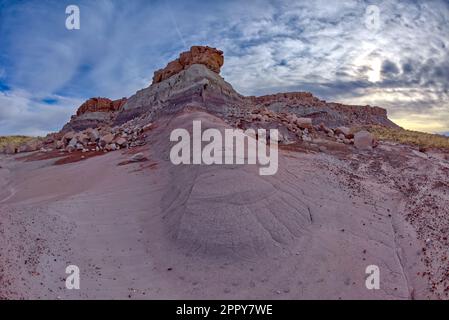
[
  {"x": 93, "y": 113},
  {"x": 210, "y": 57},
  {"x": 304, "y": 104},
  {"x": 100, "y": 105},
  {"x": 196, "y": 86},
  {"x": 363, "y": 140}
]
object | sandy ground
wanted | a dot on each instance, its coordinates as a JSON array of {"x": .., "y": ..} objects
[{"x": 152, "y": 230}]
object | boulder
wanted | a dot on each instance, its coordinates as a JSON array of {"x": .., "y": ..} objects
[
  {"x": 59, "y": 144},
  {"x": 68, "y": 136},
  {"x": 93, "y": 134},
  {"x": 71, "y": 146},
  {"x": 30, "y": 146},
  {"x": 106, "y": 139},
  {"x": 10, "y": 149},
  {"x": 83, "y": 138},
  {"x": 345, "y": 131},
  {"x": 364, "y": 140},
  {"x": 325, "y": 129},
  {"x": 420, "y": 154},
  {"x": 304, "y": 123},
  {"x": 306, "y": 138},
  {"x": 122, "y": 142},
  {"x": 111, "y": 147},
  {"x": 73, "y": 142},
  {"x": 137, "y": 157}
]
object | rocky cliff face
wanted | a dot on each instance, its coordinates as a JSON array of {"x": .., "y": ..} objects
[
  {"x": 93, "y": 113},
  {"x": 209, "y": 57},
  {"x": 196, "y": 86},
  {"x": 304, "y": 104}
]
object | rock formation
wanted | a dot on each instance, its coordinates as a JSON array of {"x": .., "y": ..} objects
[
  {"x": 210, "y": 57},
  {"x": 100, "y": 105},
  {"x": 193, "y": 80},
  {"x": 93, "y": 113}
]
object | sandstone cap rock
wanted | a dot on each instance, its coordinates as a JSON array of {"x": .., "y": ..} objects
[{"x": 210, "y": 57}]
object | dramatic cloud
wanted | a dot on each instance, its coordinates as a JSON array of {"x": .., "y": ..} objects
[{"x": 269, "y": 46}]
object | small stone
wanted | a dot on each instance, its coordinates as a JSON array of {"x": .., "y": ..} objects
[
  {"x": 111, "y": 147},
  {"x": 121, "y": 142},
  {"x": 138, "y": 157}
]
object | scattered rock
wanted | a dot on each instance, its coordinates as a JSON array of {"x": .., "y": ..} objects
[
  {"x": 106, "y": 139},
  {"x": 304, "y": 123},
  {"x": 68, "y": 136},
  {"x": 122, "y": 142},
  {"x": 93, "y": 134},
  {"x": 363, "y": 140},
  {"x": 73, "y": 142},
  {"x": 111, "y": 147},
  {"x": 10, "y": 149},
  {"x": 138, "y": 157},
  {"x": 420, "y": 154},
  {"x": 30, "y": 146},
  {"x": 345, "y": 131}
]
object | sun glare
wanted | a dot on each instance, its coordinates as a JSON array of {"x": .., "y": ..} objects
[{"x": 374, "y": 72}]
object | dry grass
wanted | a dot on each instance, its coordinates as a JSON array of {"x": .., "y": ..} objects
[
  {"x": 414, "y": 138},
  {"x": 15, "y": 140}
]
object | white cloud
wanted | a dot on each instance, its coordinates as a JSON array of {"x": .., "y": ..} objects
[
  {"x": 269, "y": 46},
  {"x": 21, "y": 114}
]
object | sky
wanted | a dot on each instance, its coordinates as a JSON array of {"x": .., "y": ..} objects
[{"x": 341, "y": 51}]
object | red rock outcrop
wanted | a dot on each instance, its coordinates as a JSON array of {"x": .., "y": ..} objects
[
  {"x": 210, "y": 57},
  {"x": 100, "y": 105}
]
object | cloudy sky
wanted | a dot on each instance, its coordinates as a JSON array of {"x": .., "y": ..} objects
[{"x": 338, "y": 50}]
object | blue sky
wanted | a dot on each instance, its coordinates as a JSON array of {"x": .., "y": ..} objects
[{"x": 47, "y": 71}]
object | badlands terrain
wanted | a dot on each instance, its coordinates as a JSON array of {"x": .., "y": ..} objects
[{"x": 103, "y": 194}]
